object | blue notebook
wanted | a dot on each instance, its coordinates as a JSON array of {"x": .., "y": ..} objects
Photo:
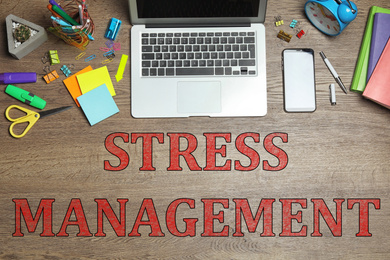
[
  {"x": 380, "y": 35},
  {"x": 98, "y": 104}
]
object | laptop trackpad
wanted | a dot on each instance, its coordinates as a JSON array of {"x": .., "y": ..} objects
[{"x": 199, "y": 97}]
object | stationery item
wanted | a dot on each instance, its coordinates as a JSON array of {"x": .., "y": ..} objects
[
  {"x": 380, "y": 35},
  {"x": 30, "y": 118},
  {"x": 25, "y": 96},
  {"x": 284, "y": 36},
  {"x": 227, "y": 83},
  {"x": 73, "y": 86},
  {"x": 121, "y": 68},
  {"x": 94, "y": 79},
  {"x": 18, "y": 77},
  {"x": 52, "y": 2},
  {"x": 332, "y": 94},
  {"x": 330, "y": 16},
  {"x": 113, "y": 29},
  {"x": 54, "y": 59},
  {"x": 64, "y": 15},
  {"x": 378, "y": 88},
  {"x": 80, "y": 56},
  {"x": 300, "y": 34},
  {"x": 359, "y": 79},
  {"x": 51, "y": 76},
  {"x": 333, "y": 71},
  {"x": 278, "y": 21},
  {"x": 65, "y": 70},
  {"x": 98, "y": 104},
  {"x": 90, "y": 57}
]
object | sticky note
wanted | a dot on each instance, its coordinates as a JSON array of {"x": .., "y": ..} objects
[
  {"x": 98, "y": 104},
  {"x": 72, "y": 84},
  {"x": 95, "y": 78}
]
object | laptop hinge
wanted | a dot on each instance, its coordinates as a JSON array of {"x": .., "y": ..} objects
[{"x": 196, "y": 25}]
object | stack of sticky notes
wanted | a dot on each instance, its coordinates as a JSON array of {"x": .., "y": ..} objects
[{"x": 93, "y": 91}]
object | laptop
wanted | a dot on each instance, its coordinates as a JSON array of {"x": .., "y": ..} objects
[{"x": 198, "y": 58}]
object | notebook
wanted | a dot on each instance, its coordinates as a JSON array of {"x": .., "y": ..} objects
[
  {"x": 198, "y": 58},
  {"x": 380, "y": 35},
  {"x": 378, "y": 87}
]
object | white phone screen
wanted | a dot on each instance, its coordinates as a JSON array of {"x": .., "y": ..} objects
[{"x": 299, "y": 80}]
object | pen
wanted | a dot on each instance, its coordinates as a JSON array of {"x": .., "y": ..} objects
[{"x": 334, "y": 73}]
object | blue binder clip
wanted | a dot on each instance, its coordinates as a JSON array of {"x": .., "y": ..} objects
[
  {"x": 113, "y": 28},
  {"x": 66, "y": 70}
]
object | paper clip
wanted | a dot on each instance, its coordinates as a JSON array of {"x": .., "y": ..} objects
[
  {"x": 80, "y": 55},
  {"x": 109, "y": 43},
  {"x": 117, "y": 46},
  {"x": 109, "y": 53},
  {"x": 104, "y": 49},
  {"x": 90, "y": 57},
  {"x": 107, "y": 61}
]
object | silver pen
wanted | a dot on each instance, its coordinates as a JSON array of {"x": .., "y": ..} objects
[{"x": 334, "y": 73}]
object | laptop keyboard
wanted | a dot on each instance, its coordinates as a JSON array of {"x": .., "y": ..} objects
[{"x": 203, "y": 53}]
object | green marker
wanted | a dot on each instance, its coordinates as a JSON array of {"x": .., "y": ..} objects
[{"x": 25, "y": 97}]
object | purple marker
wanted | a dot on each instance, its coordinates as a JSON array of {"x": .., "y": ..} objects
[
  {"x": 18, "y": 77},
  {"x": 52, "y": 2}
]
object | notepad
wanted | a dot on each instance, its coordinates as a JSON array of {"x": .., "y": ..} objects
[
  {"x": 94, "y": 79},
  {"x": 72, "y": 84},
  {"x": 98, "y": 104}
]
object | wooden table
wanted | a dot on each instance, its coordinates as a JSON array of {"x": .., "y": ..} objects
[{"x": 335, "y": 159}]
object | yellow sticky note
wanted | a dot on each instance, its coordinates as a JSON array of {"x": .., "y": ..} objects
[
  {"x": 73, "y": 86},
  {"x": 95, "y": 78}
]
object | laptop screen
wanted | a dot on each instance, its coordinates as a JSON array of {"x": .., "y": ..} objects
[
  {"x": 197, "y": 8},
  {"x": 197, "y": 11}
]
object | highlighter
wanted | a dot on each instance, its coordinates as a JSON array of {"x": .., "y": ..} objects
[
  {"x": 18, "y": 77},
  {"x": 25, "y": 97}
]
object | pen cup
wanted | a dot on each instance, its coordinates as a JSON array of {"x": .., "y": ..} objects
[{"x": 72, "y": 22}]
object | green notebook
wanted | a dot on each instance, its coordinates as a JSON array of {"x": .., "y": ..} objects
[{"x": 359, "y": 80}]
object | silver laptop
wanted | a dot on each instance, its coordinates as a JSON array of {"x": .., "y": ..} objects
[{"x": 198, "y": 58}]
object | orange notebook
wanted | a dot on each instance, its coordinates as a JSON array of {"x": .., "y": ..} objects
[{"x": 378, "y": 87}]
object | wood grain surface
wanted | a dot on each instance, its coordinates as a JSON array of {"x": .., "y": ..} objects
[{"x": 337, "y": 152}]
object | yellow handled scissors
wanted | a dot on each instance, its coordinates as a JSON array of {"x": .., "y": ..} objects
[{"x": 30, "y": 118}]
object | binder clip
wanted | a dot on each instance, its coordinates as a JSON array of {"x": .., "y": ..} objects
[
  {"x": 300, "y": 34},
  {"x": 284, "y": 36},
  {"x": 113, "y": 28},
  {"x": 278, "y": 21},
  {"x": 54, "y": 57},
  {"x": 293, "y": 23},
  {"x": 66, "y": 70},
  {"x": 50, "y": 76}
]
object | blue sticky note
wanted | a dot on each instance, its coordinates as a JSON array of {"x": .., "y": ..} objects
[{"x": 98, "y": 104}]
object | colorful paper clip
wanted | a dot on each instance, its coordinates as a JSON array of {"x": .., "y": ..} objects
[
  {"x": 107, "y": 61},
  {"x": 104, "y": 49},
  {"x": 117, "y": 46},
  {"x": 54, "y": 57},
  {"x": 109, "y": 53},
  {"x": 278, "y": 21},
  {"x": 113, "y": 29},
  {"x": 66, "y": 70},
  {"x": 293, "y": 23},
  {"x": 90, "y": 57},
  {"x": 51, "y": 76},
  {"x": 79, "y": 56},
  {"x": 284, "y": 36}
]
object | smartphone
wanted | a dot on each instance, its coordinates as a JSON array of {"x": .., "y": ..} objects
[{"x": 299, "y": 80}]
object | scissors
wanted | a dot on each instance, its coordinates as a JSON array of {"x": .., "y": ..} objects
[{"x": 31, "y": 118}]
